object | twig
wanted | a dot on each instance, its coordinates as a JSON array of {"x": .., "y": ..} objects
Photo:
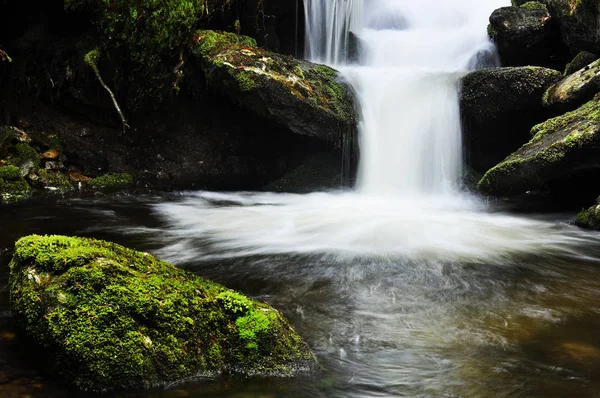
[{"x": 91, "y": 59}]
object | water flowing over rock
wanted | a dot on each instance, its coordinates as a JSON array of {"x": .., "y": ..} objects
[
  {"x": 563, "y": 150},
  {"x": 309, "y": 99},
  {"x": 498, "y": 108},
  {"x": 575, "y": 89},
  {"x": 527, "y": 35},
  {"x": 110, "y": 318}
]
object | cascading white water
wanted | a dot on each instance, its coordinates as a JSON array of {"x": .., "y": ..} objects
[
  {"x": 328, "y": 24},
  {"x": 412, "y": 55}
]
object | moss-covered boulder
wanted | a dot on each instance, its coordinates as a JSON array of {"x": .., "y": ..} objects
[
  {"x": 563, "y": 149},
  {"x": 575, "y": 89},
  {"x": 581, "y": 60},
  {"x": 307, "y": 98},
  {"x": 13, "y": 188},
  {"x": 112, "y": 318},
  {"x": 498, "y": 108},
  {"x": 527, "y": 35},
  {"x": 589, "y": 218}
]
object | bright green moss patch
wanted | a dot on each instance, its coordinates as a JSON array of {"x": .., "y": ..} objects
[
  {"x": 54, "y": 180},
  {"x": 114, "y": 318},
  {"x": 25, "y": 154},
  {"x": 581, "y": 60},
  {"x": 112, "y": 181},
  {"x": 10, "y": 172},
  {"x": 534, "y": 5}
]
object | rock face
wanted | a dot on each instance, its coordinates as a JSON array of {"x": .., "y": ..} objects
[
  {"x": 527, "y": 35},
  {"x": 579, "y": 23},
  {"x": 589, "y": 218},
  {"x": 307, "y": 98},
  {"x": 574, "y": 89},
  {"x": 111, "y": 318},
  {"x": 498, "y": 108},
  {"x": 565, "y": 148}
]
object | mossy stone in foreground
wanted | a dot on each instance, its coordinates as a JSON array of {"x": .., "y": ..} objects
[{"x": 114, "y": 318}]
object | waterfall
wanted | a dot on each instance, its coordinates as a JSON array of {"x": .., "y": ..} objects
[
  {"x": 412, "y": 56},
  {"x": 407, "y": 205},
  {"x": 328, "y": 26}
]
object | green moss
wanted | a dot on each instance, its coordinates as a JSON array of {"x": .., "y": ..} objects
[
  {"x": 54, "y": 179},
  {"x": 581, "y": 60},
  {"x": 113, "y": 318},
  {"x": 14, "y": 190},
  {"x": 245, "y": 81},
  {"x": 10, "y": 172},
  {"x": 25, "y": 154},
  {"x": 534, "y": 5},
  {"x": 551, "y": 143},
  {"x": 112, "y": 181}
]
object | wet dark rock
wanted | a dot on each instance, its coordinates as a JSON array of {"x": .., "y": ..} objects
[
  {"x": 581, "y": 60},
  {"x": 575, "y": 89},
  {"x": 527, "y": 35},
  {"x": 498, "y": 109},
  {"x": 579, "y": 23},
  {"x": 307, "y": 98},
  {"x": 564, "y": 152}
]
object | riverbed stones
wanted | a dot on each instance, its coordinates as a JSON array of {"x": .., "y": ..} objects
[
  {"x": 499, "y": 106},
  {"x": 563, "y": 151},
  {"x": 527, "y": 35},
  {"x": 307, "y": 98},
  {"x": 111, "y": 318}
]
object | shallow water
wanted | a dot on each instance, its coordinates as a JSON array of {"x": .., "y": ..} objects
[{"x": 413, "y": 320}]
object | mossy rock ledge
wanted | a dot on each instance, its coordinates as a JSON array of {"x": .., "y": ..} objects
[
  {"x": 111, "y": 318},
  {"x": 307, "y": 98},
  {"x": 563, "y": 150},
  {"x": 498, "y": 108}
]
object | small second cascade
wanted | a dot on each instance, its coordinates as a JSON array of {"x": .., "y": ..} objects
[{"x": 412, "y": 55}]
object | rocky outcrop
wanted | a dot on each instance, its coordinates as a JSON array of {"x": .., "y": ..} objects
[
  {"x": 307, "y": 98},
  {"x": 110, "y": 318},
  {"x": 579, "y": 23},
  {"x": 575, "y": 89},
  {"x": 581, "y": 60},
  {"x": 563, "y": 150},
  {"x": 498, "y": 108},
  {"x": 527, "y": 35},
  {"x": 589, "y": 218}
]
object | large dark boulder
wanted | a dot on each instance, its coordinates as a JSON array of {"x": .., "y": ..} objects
[
  {"x": 307, "y": 98},
  {"x": 498, "y": 108},
  {"x": 109, "y": 318},
  {"x": 579, "y": 23},
  {"x": 575, "y": 89},
  {"x": 563, "y": 150},
  {"x": 527, "y": 35}
]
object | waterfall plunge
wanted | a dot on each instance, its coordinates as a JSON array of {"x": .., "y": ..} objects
[{"x": 412, "y": 55}]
